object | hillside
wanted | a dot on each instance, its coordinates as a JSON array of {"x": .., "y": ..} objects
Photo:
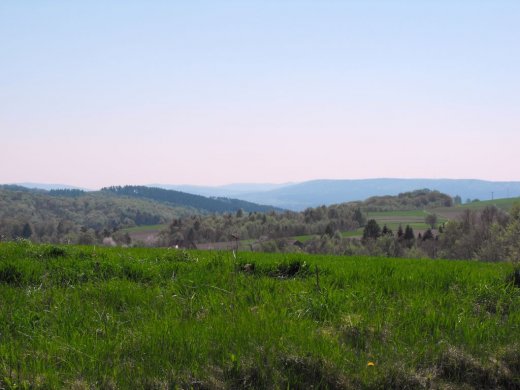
[
  {"x": 178, "y": 198},
  {"x": 49, "y": 186},
  {"x": 405, "y": 201},
  {"x": 315, "y": 193},
  {"x": 227, "y": 191},
  {"x": 300, "y": 196},
  {"x": 72, "y": 215}
]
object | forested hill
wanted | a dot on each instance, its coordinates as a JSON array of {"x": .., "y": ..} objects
[
  {"x": 73, "y": 215},
  {"x": 76, "y": 216},
  {"x": 178, "y": 198},
  {"x": 413, "y": 200}
]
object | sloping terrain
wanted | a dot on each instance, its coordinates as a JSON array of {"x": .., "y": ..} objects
[
  {"x": 63, "y": 215},
  {"x": 178, "y": 198},
  {"x": 325, "y": 192},
  {"x": 90, "y": 317}
]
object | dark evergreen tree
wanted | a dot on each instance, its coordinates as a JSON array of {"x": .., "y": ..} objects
[
  {"x": 386, "y": 231},
  {"x": 409, "y": 236},
  {"x": 27, "y": 230},
  {"x": 428, "y": 235},
  {"x": 372, "y": 230},
  {"x": 408, "y": 233},
  {"x": 400, "y": 232}
]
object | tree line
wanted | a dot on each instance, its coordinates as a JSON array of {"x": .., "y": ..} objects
[
  {"x": 253, "y": 225},
  {"x": 323, "y": 220},
  {"x": 488, "y": 235}
]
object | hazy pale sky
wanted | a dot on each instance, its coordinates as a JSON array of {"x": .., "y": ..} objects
[{"x": 95, "y": 93}]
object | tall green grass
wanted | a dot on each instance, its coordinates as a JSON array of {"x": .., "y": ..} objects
[{"x": 86, "y": 317}]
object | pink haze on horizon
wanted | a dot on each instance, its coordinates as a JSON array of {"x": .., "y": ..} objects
[{"x": 154, "y": 92}]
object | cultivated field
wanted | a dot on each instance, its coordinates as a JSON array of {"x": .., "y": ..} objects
[
  {"x": 453, "y": 212},
  {"x": 416, "y": 218},
  {"x": 145, "y": 235},
  {"x": 86, "y": 317}
]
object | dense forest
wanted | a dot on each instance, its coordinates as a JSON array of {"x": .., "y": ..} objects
[
  {"x": 75, "y": 216},
  {"x": 413, "y": 200},
  {"x": 178, "y": 198}
]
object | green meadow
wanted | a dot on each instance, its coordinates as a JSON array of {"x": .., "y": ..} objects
[
  {"x": 145, "y": 228},
  {"x": 90, "y": 317},
  {"x": 503, "y": 203}
]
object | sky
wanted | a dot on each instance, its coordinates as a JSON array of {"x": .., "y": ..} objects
[{"x": 98, "y": 93}]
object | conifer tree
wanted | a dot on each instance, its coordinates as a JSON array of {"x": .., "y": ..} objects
[
  {"x": 372, "y": 230},
  {"x": 27, "y": 230}
]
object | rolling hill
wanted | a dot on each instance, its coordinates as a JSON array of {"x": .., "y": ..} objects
[
  {"x": 178, "y": 198},
  {"x": 325, "y": 192},
  {"x": 73, "y": 215}
]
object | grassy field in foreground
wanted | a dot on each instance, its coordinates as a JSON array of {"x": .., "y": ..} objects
[{"x": 86, "y": 317}]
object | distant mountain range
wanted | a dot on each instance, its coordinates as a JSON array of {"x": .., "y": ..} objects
[
  {"x": 229, "y": 190},
  {"x": 298, "y": 196},
  {"x": 325, "y": 192}
]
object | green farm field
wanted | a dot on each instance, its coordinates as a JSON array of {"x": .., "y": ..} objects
[
  {"x": 415, "y": 218},
  {"x": 87, "y": 317},
  {"x": 505, "y": 204},
  {"x": 145, "y": 234}
]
